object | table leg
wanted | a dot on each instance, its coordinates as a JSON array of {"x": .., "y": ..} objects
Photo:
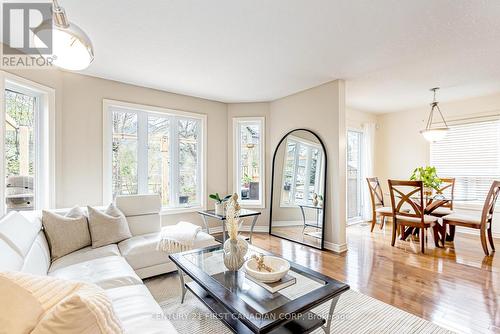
[
  {"x": 183, "y": 285},
  {"x": 206, "y": 223},
  {"x": 252, "y": 227},
  {"x": 303, "y": 218},
  {"x": 328, "y": 324}
]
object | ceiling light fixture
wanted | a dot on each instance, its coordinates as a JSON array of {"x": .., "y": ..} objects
[
  {"x": 71, "y": 47},
  {"x": 431, "y": 133}
]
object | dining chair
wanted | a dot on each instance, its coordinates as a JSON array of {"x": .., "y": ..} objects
[
  {"x": 482, "y": 221},
  {"x": 410, "y": 194},
  {"x": 448, "y": 190},
  {"x": 377, "y": 198}
]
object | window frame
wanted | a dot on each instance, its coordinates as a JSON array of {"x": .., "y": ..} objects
[
  {"x": 142, "y": 112},
  {"x": 319, "y": 171},
  {"x": 45, "y": 150},
  {"x": 237, "y": 121}
]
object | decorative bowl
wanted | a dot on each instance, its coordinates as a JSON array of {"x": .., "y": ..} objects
[{"x": 279, "y": 266}]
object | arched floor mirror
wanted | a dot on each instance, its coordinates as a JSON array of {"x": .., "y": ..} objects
[{"x": 298, "y": 189}]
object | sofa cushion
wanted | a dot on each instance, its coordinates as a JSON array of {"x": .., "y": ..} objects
[
  {"x": 140, "y": 251},
  {"x": 138, "y": 311},
  {"x": 37, "y": 261},
  {"x": 19, "y": 232},
  {"x": 106, "y": 272},
  {"x": 107, "y": 227},
  {"x": 142, "y": 212},
  {"x": 65, "y": 234},
  {"x": 84, "y": 254},
  {"x": 10, "y": 259}
]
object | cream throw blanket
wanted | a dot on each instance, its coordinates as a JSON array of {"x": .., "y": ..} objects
[{"x": 178, "y": 238}]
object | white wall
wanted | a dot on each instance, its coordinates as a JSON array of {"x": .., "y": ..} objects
[{"x": 356, "y": 118}]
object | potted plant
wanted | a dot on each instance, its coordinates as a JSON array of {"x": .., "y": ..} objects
[
  {"x": 429, "y": 178},
  {"x": 219, "y": 203}
]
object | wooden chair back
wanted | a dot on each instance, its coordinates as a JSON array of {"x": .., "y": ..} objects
[
  {"x": 447, "y": 189},
  {"x": 489, "y": 204},
  {"x": 407, "y": 195},
  {"x": 376, "y": 194}
]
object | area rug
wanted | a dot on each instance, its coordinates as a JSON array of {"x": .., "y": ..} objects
[{"x": 355, "y": 313}]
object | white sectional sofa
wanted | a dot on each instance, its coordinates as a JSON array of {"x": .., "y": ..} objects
[{"x": 117, "y": 268}]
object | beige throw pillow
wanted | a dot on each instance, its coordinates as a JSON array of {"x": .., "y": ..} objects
[
  {"x": 109, "y": 227},
  {"x": 65, "y": 234},
  {"x": 44, "y": 304}
]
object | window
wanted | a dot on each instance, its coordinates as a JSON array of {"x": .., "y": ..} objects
[
  {"x": 302, "y": 174},
  {"x": 249, "y": 160},
  {"x": 26, "y": 153},
  {"x": 471, "y": 154},
  {"x": 151, "y": 150},
  {"x": 354, "y": 181}
]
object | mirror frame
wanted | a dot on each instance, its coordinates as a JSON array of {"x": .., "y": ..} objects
[{"x": 324, "y": 187}]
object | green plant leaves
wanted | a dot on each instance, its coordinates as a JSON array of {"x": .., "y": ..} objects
[{"x": 428, "y": 176}]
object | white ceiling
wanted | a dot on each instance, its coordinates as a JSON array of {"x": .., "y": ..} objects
[{"x": 389, "y": 51}]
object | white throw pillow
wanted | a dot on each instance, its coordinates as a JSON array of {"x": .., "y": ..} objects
[
  {"x": 109, "y": 227},
  {"x": 65, "y": 234},
  {"x": 44, "y": 304}
]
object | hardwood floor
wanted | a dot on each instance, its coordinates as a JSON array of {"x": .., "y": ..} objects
[
  {"x": 456, "y": 287},
  {"x": 295, "y": 233}
]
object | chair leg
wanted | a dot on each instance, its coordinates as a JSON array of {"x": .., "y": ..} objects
[
  {"x": 452, "y": 232},
  {"x": 483, "y": 242},
  {"x": 443, "y": 233},
  {"x": 490, "y": 238},
  {"x": 382, "y": 222},
  {"x": 435, "y": 234},
  {"x": 394, "y": 229},
  {"x": 374, "y": 221},
  {"x": 422, "y": 240}
]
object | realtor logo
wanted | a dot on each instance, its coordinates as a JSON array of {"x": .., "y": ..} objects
[{"x": 20, "y": 21}]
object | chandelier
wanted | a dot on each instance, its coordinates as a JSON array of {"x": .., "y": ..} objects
[{"x": 435, "y": 133}]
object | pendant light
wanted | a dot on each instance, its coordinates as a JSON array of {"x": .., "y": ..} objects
[
  {"x": 431, "y": 133},
  {"x": 71, "y": 47}
]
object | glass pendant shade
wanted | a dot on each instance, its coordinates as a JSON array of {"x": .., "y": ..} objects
[
  {"x": 71, "y": 47},
  {"x": 432, "y": 133}
]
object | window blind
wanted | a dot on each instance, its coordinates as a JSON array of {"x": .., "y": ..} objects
[{"x": 471, "y": 154}]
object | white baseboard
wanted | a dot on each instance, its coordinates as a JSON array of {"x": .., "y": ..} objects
[{"x": 336, "y": 248}]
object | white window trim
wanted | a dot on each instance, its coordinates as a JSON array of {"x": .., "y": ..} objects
[
  {"x": 319, "y": 170},
  {"x": 260, "y": 204},
  {"x": 107, "y": 176},
  {"x": 46, "y": 162}
]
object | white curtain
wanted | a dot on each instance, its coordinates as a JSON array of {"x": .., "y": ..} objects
[{"x": 367, "y": 167}]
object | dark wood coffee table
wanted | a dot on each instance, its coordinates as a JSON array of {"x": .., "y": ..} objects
[{"x": 245, "y": 307}]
